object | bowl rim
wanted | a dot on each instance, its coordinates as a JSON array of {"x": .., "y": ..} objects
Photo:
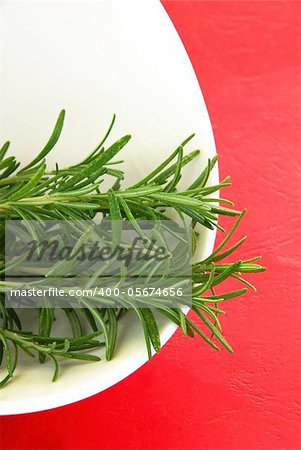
[{"x": 72, "y": 394}]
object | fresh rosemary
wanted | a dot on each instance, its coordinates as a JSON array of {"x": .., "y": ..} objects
[{"x": 73, "y": 193}]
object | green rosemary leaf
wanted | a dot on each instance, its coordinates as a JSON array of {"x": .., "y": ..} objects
[
  {"x": 56, "y": 366},
  {"x": 203, "y": 335},
  {"x": 210, "y": 313},
  {"x": 216, "y": 310},
  {"x": 182, "y": 322},
  {"x": 222, "y": 297},
  {"x": 196, "y": 216},
  {"x": 230, "y": 250},
  {"x": 247, "y": 283},
  {"x": 199, "y": 290},
  {"x": 250, "y": 268},
  {"x": 201, "y": 181},
  {"x": 46, "y": 319},
  {"x": 50, "y": 144},
  {"x": 77, "y": 192},
  {"x": 83, "y": 357},
  {"x": 15, "y": 318},
  {"x": 5, "y": 380},
  {"x": 163, "y": 176},
  {"x": 226, "y": 239},
  {"x": 74, "y": 321},
  {"x": 162, "y": 166},
  {"x": 145, "y": 211},
  {"x": 130, "y": 217},
  {"x": 8, "y": 162},
  {"x": 10, "y": 165},
  {"x": 140, "y": 192},
  {"x": 116, "y": 218},
  {"x": 114, "y": 173},
  {"x": 147, "y": 338},
  {"x": 30, "y": 185},
  {"x": 225, "y": 211},
  {"x": 252, "y": 260},
  {"x": 96, "y": 163},
  {"x": 177, "y": 175},
  {"x": 177, "y": 199},
  {"x": 213, "y": 329},
  {"x": 11, "y": 367},
  {"x": 217, "y": 200},
  {"x": 99, "y": 146},
  {"x": 73, "y": 342},
  {"x": 97, "y": 314},
  {"x": 4, "y": 149},
  {"x": 5, "y": 344},
  {"x": 152, "y": 328},
  {"x": 113, "y": 328},
  {"x": 207, "y": 190},
  {"x": 158, "y": 169},
  {"x": 229, "y": 270}
]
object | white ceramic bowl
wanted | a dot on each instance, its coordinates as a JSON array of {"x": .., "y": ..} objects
[{"x": 93, "y": 59}]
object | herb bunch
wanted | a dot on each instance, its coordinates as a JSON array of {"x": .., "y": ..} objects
[{"x": 74, "y": 193}]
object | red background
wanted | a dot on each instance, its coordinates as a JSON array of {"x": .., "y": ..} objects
[{"x": 247, "y": 59}]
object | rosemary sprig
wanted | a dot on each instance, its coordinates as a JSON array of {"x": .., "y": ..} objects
[{"x": 73, "y": 193}]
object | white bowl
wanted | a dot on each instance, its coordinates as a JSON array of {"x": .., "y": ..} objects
[{"x": 94, "y": 59}]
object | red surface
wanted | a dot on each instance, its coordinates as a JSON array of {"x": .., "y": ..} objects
[{"x": 247, "y": 58}]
